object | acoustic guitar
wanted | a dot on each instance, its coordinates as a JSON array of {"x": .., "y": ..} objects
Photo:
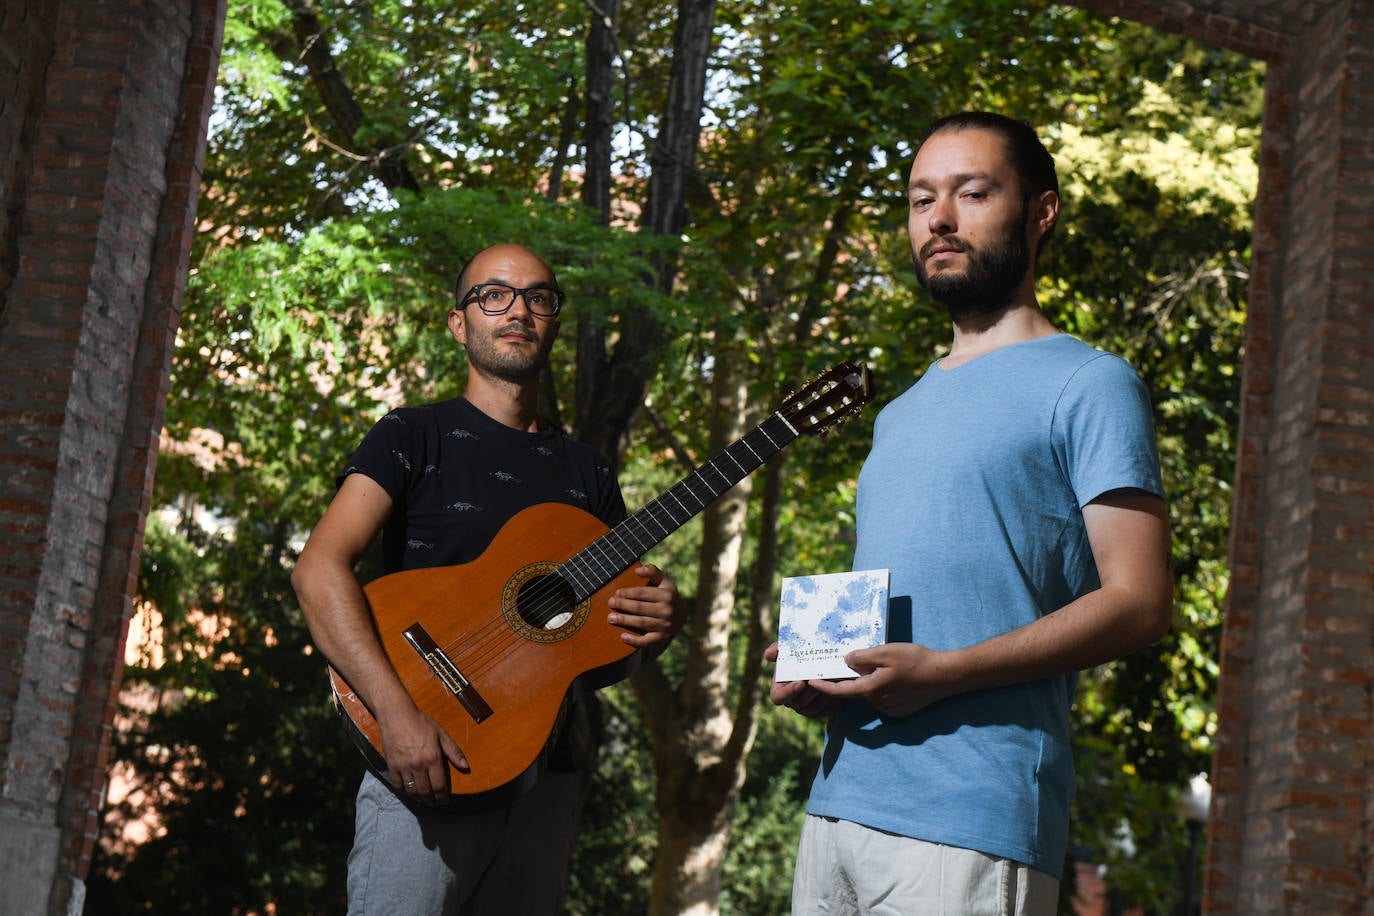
[{"x": 493, "y": 650}]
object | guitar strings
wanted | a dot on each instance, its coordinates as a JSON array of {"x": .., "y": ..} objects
[{"x": 547, "y": 597}]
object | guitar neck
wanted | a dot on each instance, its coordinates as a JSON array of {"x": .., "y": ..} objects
[{"x": 609, "y": 555}]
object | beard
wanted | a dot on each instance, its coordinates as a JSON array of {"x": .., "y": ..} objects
[
  {"x": 488, "y": 358},
  {"x": 989, "y": 282}
]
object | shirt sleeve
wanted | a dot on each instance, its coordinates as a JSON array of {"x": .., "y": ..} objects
[
  {"x": 387, "y": 454},
  {"x": 1104, "y": 431}
]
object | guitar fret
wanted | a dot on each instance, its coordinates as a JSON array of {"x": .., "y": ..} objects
[
  {"x": 776, "y": 447},
  {"x": 731, "y": 455},
  {"x": 676, "y": 500},
  {"x": 582, "y": 580},
  {"x": 647, "y": 536},
  {"x": 592, "y": 565},
  {"x": 687, "y": 490},
  {"x": 620, "y": 550},
  {"x": 648, "y": 528},
  {"x": 624, "y": 554},
  {"x": 630, "y": 531},
  {"x": 598, "y": 544},
  {"x": 712, "y": 466},
  {"x": 632, "y": 543},
  {"x": 648, "y": 512}
]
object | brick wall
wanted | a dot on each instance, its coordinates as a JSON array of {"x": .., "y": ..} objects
[
  {"x": 108, "y": 101},
  {"x": 25, "y": 46}
]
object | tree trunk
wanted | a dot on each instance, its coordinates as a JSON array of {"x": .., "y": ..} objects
[
  {"x": 693, "y": 836},
  {"x": 699, "y": 752},
  {"x": 567, "y": 133},
  {"x": 596, "y": 196},
  {"x": 612, "y": 390},
  {"x": 600, "y": 116}
]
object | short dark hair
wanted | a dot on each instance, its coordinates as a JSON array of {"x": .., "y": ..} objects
[{"x": 1033, "y": 163}]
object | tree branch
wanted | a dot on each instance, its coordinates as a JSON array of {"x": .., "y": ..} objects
[{"x": 387, "y": 161}]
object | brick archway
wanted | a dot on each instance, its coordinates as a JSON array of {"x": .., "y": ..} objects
[{"x": 103, "y": 107}]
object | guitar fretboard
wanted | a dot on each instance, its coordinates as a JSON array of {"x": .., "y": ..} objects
[{"x": 609, "y": 555}]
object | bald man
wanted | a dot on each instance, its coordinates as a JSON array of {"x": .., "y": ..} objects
[{"x": 438, "y": 481}]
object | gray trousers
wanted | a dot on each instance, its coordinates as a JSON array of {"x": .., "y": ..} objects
[{"x": 409, "y": 860}]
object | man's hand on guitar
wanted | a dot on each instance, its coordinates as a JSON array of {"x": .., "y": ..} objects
[
  {"x": 656, "y": 610},
  {"x": 417, "y": 753}
]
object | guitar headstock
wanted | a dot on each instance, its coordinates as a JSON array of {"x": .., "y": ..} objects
[{"x": 829, "y": 399}]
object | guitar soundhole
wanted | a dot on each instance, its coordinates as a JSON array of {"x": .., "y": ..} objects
[
  {"x": 541, "y": 606},
  {"x": 546, "y": 602}
]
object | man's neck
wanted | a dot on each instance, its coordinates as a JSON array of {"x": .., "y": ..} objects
[
  {"x": 513, "y": 404},
  {"x": 1014, "y": 324}
]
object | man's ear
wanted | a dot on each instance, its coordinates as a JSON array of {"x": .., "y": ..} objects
[
  {"x": 1045, "y": 213},
  {"x": 458, "y": 326}
]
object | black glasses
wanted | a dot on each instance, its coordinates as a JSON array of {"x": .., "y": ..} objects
[{"x": 497, "y": 298}]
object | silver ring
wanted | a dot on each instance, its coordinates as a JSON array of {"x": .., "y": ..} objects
[{"x": 410, "y": 785}]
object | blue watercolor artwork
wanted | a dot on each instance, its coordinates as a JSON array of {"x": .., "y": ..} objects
[{"x": 821, "y": 618}]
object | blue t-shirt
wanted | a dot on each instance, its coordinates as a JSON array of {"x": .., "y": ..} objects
[{"x": 972, "y": 496}]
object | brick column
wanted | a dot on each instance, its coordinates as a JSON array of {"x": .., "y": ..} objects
[
  {"x": 1292, "y": 815},
  {"x": 1291, "y": 823},
  {"x": 103, "y": 104}
]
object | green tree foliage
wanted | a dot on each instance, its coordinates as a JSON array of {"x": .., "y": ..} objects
[{"x": 356, "y": 161}]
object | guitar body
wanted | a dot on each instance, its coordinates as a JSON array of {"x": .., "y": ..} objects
[{"x": 520, "y": 643}]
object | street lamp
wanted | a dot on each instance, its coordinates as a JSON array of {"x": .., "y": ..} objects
[{"x": 1193, "y": 805}]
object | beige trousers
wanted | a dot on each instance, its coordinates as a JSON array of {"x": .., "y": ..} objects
[{"x": 846, "y": 869}]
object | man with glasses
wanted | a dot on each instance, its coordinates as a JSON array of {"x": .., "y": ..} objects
[{"x": 439, "y": 481}]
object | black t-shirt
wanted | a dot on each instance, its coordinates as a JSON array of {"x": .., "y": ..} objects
[{"x": 456, "y": 476}]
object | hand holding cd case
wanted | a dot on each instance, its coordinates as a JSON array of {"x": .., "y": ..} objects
[{"x": 822, "y": 618}]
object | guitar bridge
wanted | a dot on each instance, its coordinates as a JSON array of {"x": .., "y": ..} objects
[{"x": 461, "y": 688}]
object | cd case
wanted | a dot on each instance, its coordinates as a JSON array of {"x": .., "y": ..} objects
[{"x": 822, "y": 618}]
